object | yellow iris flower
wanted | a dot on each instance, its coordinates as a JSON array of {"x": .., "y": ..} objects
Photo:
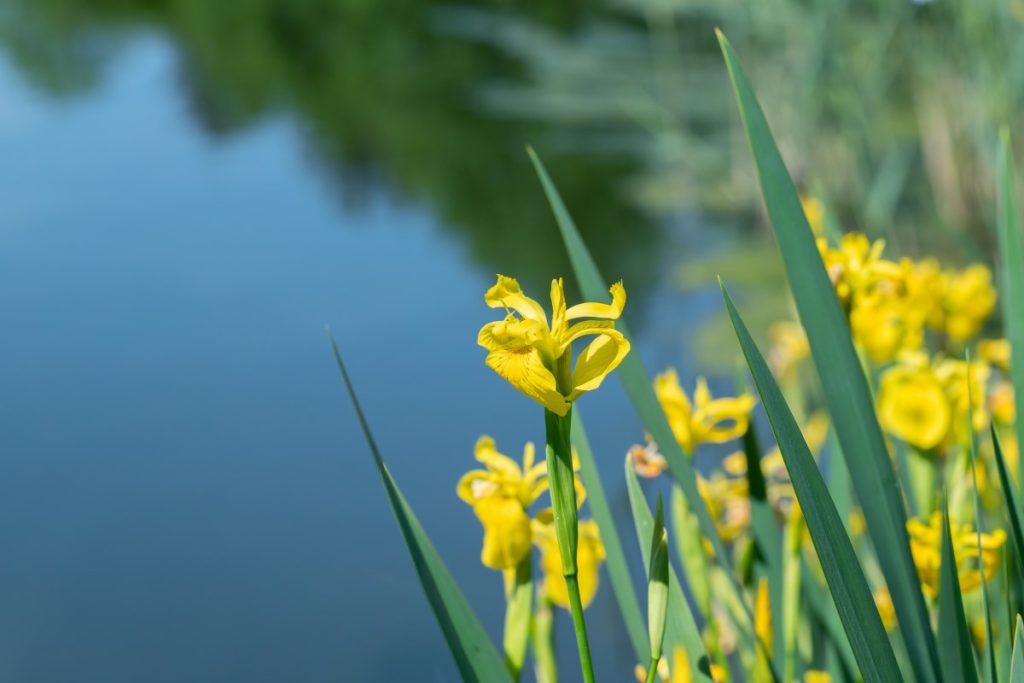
[
  {"x": 590, "y": 554},
  {"x": 913, "y": 406},
  {"x": 969, "y": 300},
  {"x": 996, "y": 352},
  {"x": 926, "y": 548},
  {"x": 885, "y": 325},
  {"x": 536, "y": 357},
  {"x": 856, "y": 266},
  {"x": 706, "y": 419}
]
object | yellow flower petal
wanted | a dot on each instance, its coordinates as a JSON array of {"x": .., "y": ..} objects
[
  {"x": 507, "y": 535},
  {"x": 486, "y": 453},
  {"x": 507, "y": 294},
  {"x": 913, "y": 406},
  {"x": 525, "y": 370},
  {"x": 595, "y": 310},
  {"x": 598, "y": 359},
  {"x": 476, "y": 485}
]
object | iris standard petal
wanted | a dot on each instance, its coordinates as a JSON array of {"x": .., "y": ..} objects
[
  {"x": 595, "y": 310},
  {"x": 486, "y": 453},
  {"x": 506, "y": 293}
]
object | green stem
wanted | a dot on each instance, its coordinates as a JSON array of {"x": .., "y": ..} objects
[
  {"x": 581, "y": 628},
  {"x": 652, "y": 670},
  {"x": 563, "y": 502},
  {"x": 542, "y": 640},
  {"x": 518, "y": 614}
]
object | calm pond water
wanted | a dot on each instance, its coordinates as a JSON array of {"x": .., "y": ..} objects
[{"x": 185, "y": 494}]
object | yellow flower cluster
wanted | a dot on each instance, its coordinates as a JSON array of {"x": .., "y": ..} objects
[
  {"x": 501, "y": 495},
  {"x": 926, "y": 544},
  {"x": 892, "y": 304}
]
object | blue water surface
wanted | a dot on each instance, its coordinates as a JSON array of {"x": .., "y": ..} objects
[{"x": 184, "y": 492}]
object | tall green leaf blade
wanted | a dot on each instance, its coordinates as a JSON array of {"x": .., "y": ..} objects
[
  {"x": 680, "y": 628},
  {"x": 845, "y": 388},
  {"x": 615, "y": 560},
  {"x": 1011, "y": 254},
  {"x": 475, "y": 655},
  {"x": 1013, "y": 510},
  {"x": 989, "y": 667},
  {"x": 1017, "y": 658},
  {"x": 633, "y": 374},
  {"x": 765, "y": 531},
  {"x": 956, "y": 655},
  {"x": 839, "y": 562}
]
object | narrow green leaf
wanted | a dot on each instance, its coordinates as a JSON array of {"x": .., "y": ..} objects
[
  {"x": 657, "y": 584},
  {"x": 475, "y": 655},
  {"x": 1017, "y": 658},
  {"x": 1013, "y": 510},
  {"x": 615, "y": 560},
  {"x": 990, "y": 647},
  {"x": 846, "y": 391},
  {"x": 1011, "y": 266},
  {"x": 680, "y": 628},
  {"x": 634, "y": 376},
  {"x": 839, "y": 562},
  {"x": 956, "y": 654}
]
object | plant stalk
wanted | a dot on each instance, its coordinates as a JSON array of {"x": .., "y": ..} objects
[{"x": 563, "y": 503}]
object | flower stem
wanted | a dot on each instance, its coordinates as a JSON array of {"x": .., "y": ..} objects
[
  {"x": 652, "y": 670},
  {"x": 563, "y": 503},
  {"x": 581, "y": 628}
]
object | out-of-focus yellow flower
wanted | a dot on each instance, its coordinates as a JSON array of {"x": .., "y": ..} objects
[
  {"x": 536, "y": 358},
  {"x": 884, "y": 326},
  {"x": 913, "y": 406},
  {"x": 679, "y": 672},
  {"x": 814, "y": 210},
  {"x": 813, "y": 676},
  {"x": 707, "y": 419},
  {"x": 728, "y": 503},
  {"x": 856, "y": 267},
  {"x": 590, "y": 555},
  {"x": 926, "y": 547},
  {"x": 925, "y": 285},
  {"x": 1001, "y": 403},
  {"x": 507, "y": 536},
  {"x": 953, "y": 374},
  {"x": 500, "y": 495},
  {"x": 968, "y": 302},
  {"x": 789, "y": 348},
  {"x": 886, "y": 610},
  {"x": 647, "y": 461},
  {"x": 995, "y": 352},
  {"x": 503, "y": 476}
]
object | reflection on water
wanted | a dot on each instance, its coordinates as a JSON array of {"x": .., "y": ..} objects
[
  {"x": 380, "y": 96},
  {"x": 185, "y": 493}
]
